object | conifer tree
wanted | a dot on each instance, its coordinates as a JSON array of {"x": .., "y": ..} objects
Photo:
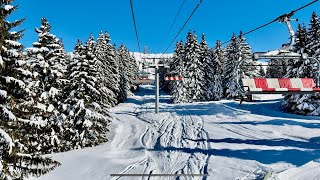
[
  {"x": 193, "y": 70},
  {"x": 100, "y": 52},
  {"x": 123, "y": 56},
  {"x": 313, "y": 36},
  {"x": 276, "y": 68},
  {"x": 262, "y": 73},
  {"x": 47, "y": 60},
  {"x": 15, "y": 163},
  {"x": 109, "y": 70},
  {"x": 313, "y": 39},
  {"x": 217, "y": 57},
  {"x": 306, "y": 41},
  {"x": 87, "y": 118},
  {"x": 233, "y": 55},
  {"x": 209, "y": 73},
  {"x": 133, "y": 70},
  {"x": 249, "y": 68},
  {"x": 178, "y": 91}
]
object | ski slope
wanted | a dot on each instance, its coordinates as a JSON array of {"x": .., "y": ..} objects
[{"x": 222, "y": 139}]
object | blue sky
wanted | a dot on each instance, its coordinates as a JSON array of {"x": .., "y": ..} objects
[{"x": 71, "y": 19}]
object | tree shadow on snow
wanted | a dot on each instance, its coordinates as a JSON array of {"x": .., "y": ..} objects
[
  {"x": 312, "y": 144},
  {"x": 295, "y": 157},
  {"x": 267, "y": 108},
  {"x": 275, "y": 122},
  {"x": 200, "y": 109}
]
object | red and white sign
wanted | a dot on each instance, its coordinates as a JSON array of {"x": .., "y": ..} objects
[{"x": 173, "y": 78}]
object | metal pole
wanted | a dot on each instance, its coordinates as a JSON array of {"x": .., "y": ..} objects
[{"x": 157, "y": 89}]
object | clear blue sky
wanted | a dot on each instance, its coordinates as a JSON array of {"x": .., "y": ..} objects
[{"x": 73, "y": 19}]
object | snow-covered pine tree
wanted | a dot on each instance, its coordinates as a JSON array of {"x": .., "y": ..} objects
[
  {"x": 301, "y": 68},
  {"x": 233, "y": 55},
  {"x": 109, "y": 71},
  {"x": 313, "y": 36},
  {"x": 262, "y": 73},
  {"x": 100, "y": 51},
  {"x": 123, "y": 57},
  {"x": 276, "y": 68},
  {"x": 132, "y": 71},
  {"x": 178, "y": 90},
  {"x": 88, "y": 119},
  {"x": 313, "y": 39},
  {"x": 208, "y": 67},
  {"x": 14, "y": 164},
  {"x": 217, "y": 56},
  {"x": 193, "y": 70},
  {"x": 307, "y": 41},
  {"x": 249, "y": 67},
  {"x": 47, "y": 59}
]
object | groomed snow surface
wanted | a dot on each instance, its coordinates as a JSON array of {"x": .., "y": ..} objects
[{"x": 222, "y": 139}]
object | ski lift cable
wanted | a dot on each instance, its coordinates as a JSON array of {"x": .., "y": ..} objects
[
  {"x": 135, "y": 27},
  {"x": 175, "y": 19},
  {"x": 173, "y": 22},
  {"x": 276, "y": 19},
  {"x": 194, "y": 10}
]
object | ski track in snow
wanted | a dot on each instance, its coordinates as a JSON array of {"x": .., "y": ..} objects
[
  {"x": 221, "y": 139},
  {"x": 164, "y": 139}
]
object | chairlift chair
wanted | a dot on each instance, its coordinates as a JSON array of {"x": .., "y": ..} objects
[
  {"x": 142, "y": 78},
  {"x": 278, "y": 85}
]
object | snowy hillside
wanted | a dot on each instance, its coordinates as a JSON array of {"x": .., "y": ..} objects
[{"x": 223, "y": 139}]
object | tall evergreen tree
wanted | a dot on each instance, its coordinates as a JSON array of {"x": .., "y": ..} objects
[
  {"x": 233, "y": 55},
  {"x": 313, "y": 39},
  {"x": 124, "y": 59},
  {"x": 133, "y": 71},
  {"x": 15, "y": 163},
  {"x": 249, "y": 68},
  {"x": 48, "y": 61},
  {"x": 217, "y": 57},
  {"x": 209, "y": 73},
  {"x": 101, "y": 50},
  {"x": 88, "y": 119},
  {"x": 300, "y": 68},
  {"x": 193, "y": 70},
  {"x": 306, "y": 41},
  {"x": 109, "y": 70},
  {"x": 178, "y": 90}
]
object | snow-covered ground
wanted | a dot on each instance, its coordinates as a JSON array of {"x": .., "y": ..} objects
[{"x": 223, "y": 139}]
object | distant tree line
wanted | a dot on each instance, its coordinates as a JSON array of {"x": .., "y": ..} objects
[{"x": 210, "y": 74}]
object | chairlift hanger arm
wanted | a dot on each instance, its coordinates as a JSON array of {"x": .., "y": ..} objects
[{"x": 276, "y": 19}]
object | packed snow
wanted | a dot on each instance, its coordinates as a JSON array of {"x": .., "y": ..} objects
[{"x": 223, "y": 139}]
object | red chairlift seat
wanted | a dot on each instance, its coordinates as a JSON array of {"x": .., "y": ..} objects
[{"x": 279, "y": 86}]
